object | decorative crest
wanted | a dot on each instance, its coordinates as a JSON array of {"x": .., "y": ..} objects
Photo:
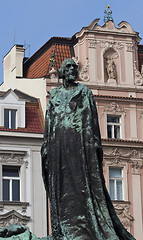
[
  {"x": 52, "y": 59},
  {"x": 108, "y": 14}
]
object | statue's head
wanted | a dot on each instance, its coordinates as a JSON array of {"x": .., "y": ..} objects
[{"x": 68, "y": 71}]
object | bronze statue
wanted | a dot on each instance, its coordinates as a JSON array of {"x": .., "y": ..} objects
[
  {"x": 81, "y": 208},
  {"x": 72, "y": 156}
]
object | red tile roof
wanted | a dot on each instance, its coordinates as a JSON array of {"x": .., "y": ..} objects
[
  {"x": 39, "y": 64},
  {"x": 34, "y": 120}
]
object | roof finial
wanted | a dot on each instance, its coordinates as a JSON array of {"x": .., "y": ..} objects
[
  {"x": 52, "y": 59},
  {"x": 108, "y": 14}
]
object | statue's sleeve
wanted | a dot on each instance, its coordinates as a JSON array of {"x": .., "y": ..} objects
[
  {"x": 45, "y": 145},
  {"x": 96, "y": 129}
]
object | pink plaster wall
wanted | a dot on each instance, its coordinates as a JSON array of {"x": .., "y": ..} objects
[
  {"x": 130, "y": 194},
  {"x": 99, "y": 59},
  {"x": 123, "y": 76}
]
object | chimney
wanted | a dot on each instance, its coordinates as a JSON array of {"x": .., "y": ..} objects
[{"x": 13, "y": 63}]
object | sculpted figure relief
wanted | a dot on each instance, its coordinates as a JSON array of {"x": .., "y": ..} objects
[
  {"x": 81, "y": 208},
  {"x": 111, "y": 68}
]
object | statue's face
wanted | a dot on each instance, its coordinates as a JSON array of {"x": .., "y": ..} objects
[{"x": 71, "y": 72}]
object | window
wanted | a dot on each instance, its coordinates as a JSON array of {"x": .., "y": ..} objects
[
  {"x": 10, "y": 118},
  {"x": 116, "y": 183},
  {"x": 114, "y": 126},
  {"x": 11, "y": 183}
]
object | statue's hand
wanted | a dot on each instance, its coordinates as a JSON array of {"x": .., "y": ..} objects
[{"x": 12, "y": 230}]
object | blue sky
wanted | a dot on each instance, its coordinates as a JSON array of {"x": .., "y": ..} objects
[{"x": 35, "y": 21}]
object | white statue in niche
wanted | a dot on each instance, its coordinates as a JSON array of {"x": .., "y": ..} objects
[
  {"x": 111, "y": 68},
  {"x": 142, "y": 70}
]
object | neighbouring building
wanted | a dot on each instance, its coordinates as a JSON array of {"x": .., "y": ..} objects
[
  {"x": 110, "y": 61},
  {"x": 21, "y": 184}
]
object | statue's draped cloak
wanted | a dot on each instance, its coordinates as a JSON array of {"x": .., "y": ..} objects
[{"x": 81, "y": 208}]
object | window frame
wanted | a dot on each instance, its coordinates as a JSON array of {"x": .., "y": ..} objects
[
  {"x": 10, "y": 183},
  {"x": 115, "y": 179},
  {"x": 112, "y": 124},
  {"x": 10, "y": 118},
  {"x": 12, "y": 157},
  {"x": 113, "y": 108},
  {"x": 121, "y": 162}
]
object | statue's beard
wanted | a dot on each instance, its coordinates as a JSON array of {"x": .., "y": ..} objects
[{"x": 70, "y": 78}]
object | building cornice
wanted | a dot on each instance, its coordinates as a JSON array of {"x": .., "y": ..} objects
[
  {"x": 122, "y": 143},
  {"x": 21, "y": 135}
]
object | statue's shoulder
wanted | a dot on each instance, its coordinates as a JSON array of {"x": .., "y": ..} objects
[
  {"x": 85, "y": 90},
  {"x": 54, "y": 91}
]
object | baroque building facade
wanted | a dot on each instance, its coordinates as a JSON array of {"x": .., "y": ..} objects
[{"x": 110, "y": 62}]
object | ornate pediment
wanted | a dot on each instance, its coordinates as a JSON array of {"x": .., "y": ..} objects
[
  {"x": 122, "y": 210},
  {"x": 109, "y": 27},
  {"x": 13, "y": 217},
  {"x": 114, "y": 108},
  {"x": 127, "y": 154},
  {"x": 12, "y": 157},
  {"x": 93, "y": 24}
]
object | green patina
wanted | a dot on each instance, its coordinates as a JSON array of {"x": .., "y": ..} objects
[{"x": 81, "y": 208}]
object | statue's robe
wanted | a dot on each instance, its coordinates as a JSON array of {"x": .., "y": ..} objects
[{"x": 81, "y": 208}]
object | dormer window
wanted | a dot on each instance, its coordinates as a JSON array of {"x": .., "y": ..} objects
[{"x": 10, "y": 118}]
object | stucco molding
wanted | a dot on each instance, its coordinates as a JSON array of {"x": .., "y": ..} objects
[
  {"x": 83, "y": 72},
  {"x": 92, "y": 43},
  {"x": 124, "y": 29},
  {"x": 109, "y": 44},
  {"x": 115, "y": 157},
  {"x": 120, "y": 153},
  {"x": 123, "y": 212},
  {"x": 13, "y": 217},
  {"x": 136, "y": 166},
  {"x": 75, "y": 59},
  {"x": 13, "y": 158},
  {"x": 129, "y": 47},
  {"x": 114, "y": 108},
  {"x": 138, "y": 76},
  {"x": 8, "y": 205}
]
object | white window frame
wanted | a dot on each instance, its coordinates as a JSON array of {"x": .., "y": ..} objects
[
  {"x": 10, "y": 123},
  {"x": 110, "y": 161},
  {"x": 11, "y": 101},
  {"x": 11, "y": 179},
  {"x": 12, "y": 157},
  {"x": 113, "y": 108},
  {"x": 115, "y": 179},
  {"x": 112, "y": 124}
]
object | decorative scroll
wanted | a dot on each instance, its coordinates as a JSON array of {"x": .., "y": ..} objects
[
  {"x": 114, "y": 108},
  {"x": 12, "y": 158},
  {"x": 13, "y": 217},
  {"x": 122, "y": 210},
  {"x": 83, "y": 73}
]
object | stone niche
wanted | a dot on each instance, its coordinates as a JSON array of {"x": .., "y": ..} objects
[{"x": 111, "y": 66}]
